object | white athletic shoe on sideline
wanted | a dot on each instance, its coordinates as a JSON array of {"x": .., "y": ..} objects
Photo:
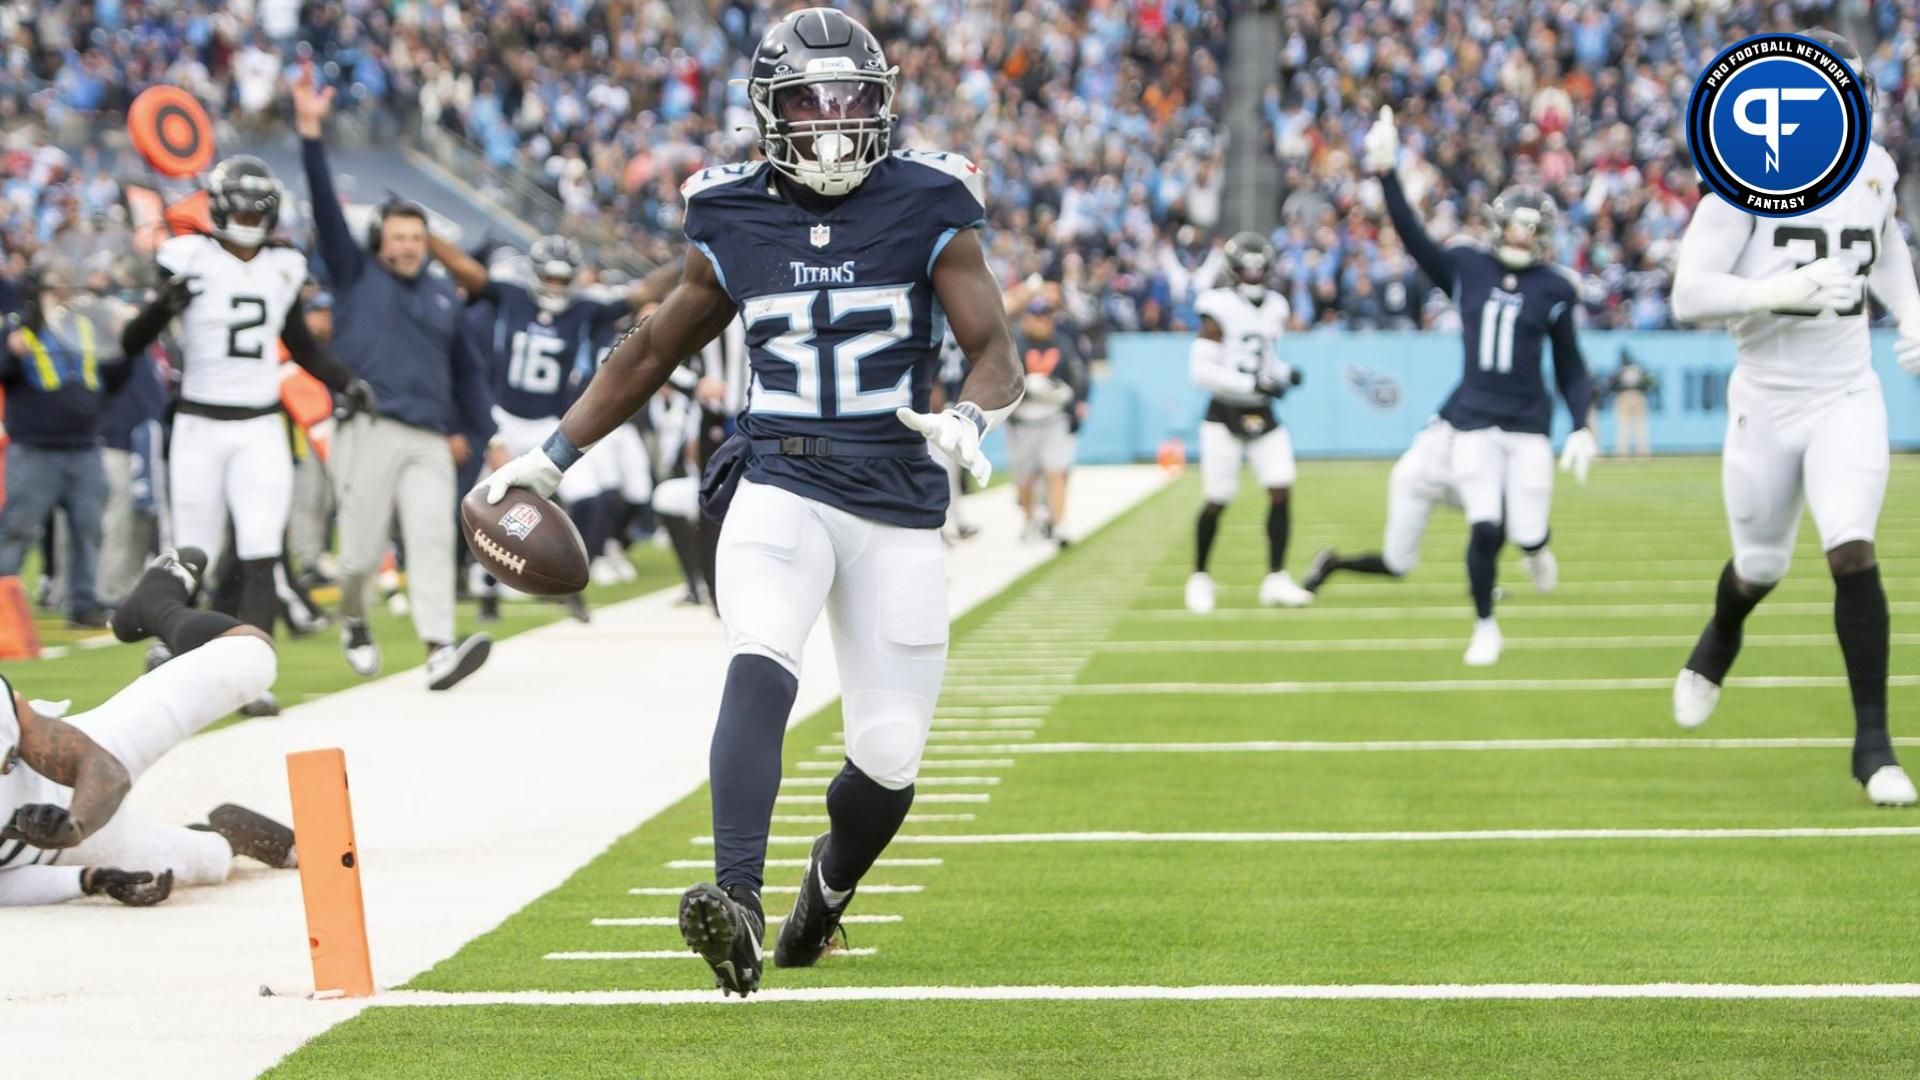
[
  {"x": 1889, "y": 786},
  {"x": 1278, "y": 590},
  {"x": 1543, "y": 568},
  {"x": 1484, "y": 649},
  {"x": 603, "y": 572},
  {"x": 1694, "y": 698},
  {"x": 1200, "y": 593}
]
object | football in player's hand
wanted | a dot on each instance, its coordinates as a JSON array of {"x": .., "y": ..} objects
[{"x": 526, "y": 541}]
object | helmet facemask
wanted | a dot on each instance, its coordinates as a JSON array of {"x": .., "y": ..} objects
[
  {"x": 556, "y": 263},
  {"x": 827, "y": 128},
  {"x": 1523, "y": 223},
  {"x": 244, "y": 204},
  {"x": 1250, "y": 259}
]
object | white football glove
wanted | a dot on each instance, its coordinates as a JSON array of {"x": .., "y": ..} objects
[
  {"x": 533, "y": 470},
  {"x": 954, "y": 435},
  {"x": 1382, "y": 146},
  {"x": 1577, "y": 456},
  {"x": 1907, "y": 351},
  {"x": 1827, "y": 284}
]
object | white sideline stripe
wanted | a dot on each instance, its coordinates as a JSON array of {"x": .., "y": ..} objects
[
  {"x": 822, "y": 819},
  {"x": 1453, "y": 611},
  {"x": 944, "y": 763},
  {"x": 1432, "y": 686},
  {"x": 788, "y": 889},
  {"x": 1357, "y": 992},
  {"x": 924, "y": 781},
  {"x": 669, "y": 920},
  {"x": 1438, "y": 835},
  {"x": 918, "y": 798},
  {"x": 666, "y": 954},
  {"x": 796, "y": 864},
  {"x": 1361, "y": 746},
  {"x": 1387, "y": 645}
]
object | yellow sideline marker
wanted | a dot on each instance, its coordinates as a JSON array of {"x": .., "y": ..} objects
[{"x": 330, "y": 874}]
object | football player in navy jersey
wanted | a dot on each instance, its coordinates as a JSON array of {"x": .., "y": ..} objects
[
  {"x": 843, "y": 260},
  {"x": 1512, "y": 301}
]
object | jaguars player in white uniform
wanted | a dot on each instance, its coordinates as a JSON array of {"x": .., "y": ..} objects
[
  {"x": 843, "y": 258},
  {"x": 1806, "y": 423},
  {"x": 1236, "y": 359},
  {"x": 236, "y": 294},
  {"x": 1421, "y": 479},
  {"x": 63, "y": 833}
]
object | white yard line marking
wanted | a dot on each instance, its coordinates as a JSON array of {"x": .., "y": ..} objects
[
  {"x": 1345, "y": 583},
  {"x": 667, "y": 954},
  {"x": 822, "y": 819},
  {"x": 669, "y": 920},
  {"x": 980, "y": 735},
  {"x": 1388, "y": 645},
  {"x": 787, "y": 889},
  {"x": 1362, "y": 746},
  {"x": 918, "y": 797},
  {"x": 1309, "y": 992},
  {"x": 1433, "y": 836},
  {"x": 974, "y": 723},
  {"x": 924, "y": 781},
  {"x": 1524, "y": 610},
  {"x": 963, "y": 712},
  {"x": 1432, "y": 686},
  {"x": 797, "y": 864},
  {"x": 943, "y": 763}
]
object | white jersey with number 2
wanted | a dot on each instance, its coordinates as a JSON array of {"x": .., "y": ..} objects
[{"x": 230, "y": 334}]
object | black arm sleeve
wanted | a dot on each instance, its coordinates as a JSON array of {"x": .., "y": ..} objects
[
  {"x": 1435, "y": 260},
  {"x": 145, "y": 327},
  {"x": 307, "y": 351},
  {"x": 1570, "y": 369}
]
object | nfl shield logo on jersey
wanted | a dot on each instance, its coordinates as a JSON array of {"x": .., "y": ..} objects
[
  {"x": 520, "y": 521},
  {"x": 820, "y": 234}
]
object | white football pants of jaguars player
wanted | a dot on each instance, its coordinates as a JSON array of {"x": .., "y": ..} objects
[
  {"x": 620, "y": 463},
  {"x": 782, "y": 558},
  {"x": 1222, "y": 453},
  {"x": 237, "y": 468},
  {"x": 1829, "y": 453},
  {"x": 1420, "y": 480},
  {"x": 155, "y": 713},
  {"x": 1506, "y": 475}
]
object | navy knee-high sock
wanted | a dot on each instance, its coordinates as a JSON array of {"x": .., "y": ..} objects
[
  {"x": 1860, "y": 620},
  {"x": 865, "y": 816},
  {"x": 745, "y": 766},
  {"x": 1483, "y": 554},
  {"x": 1733, "y": 601}
]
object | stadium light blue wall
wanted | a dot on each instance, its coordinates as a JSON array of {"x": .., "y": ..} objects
[{"x": 1366, "y": 394}]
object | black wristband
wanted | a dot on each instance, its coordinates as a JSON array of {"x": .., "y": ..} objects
[{"x": 561, "y": 451}]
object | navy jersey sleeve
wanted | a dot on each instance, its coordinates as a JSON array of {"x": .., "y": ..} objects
[
  {"x": 708, "y": 194},
  {"x": 1436, "y": 261},
  {"x": 953, "y": 195},
  {"x": 1569, "y": 367}
]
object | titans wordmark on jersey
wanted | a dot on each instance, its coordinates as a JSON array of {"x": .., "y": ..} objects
[
  {"x": 230, "y": 334},
  {"x": 538, "y": 361},
  {"x": 842, "y": 324}
]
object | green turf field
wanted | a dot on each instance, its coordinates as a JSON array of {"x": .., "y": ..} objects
[
  {"x": 1119, "y": 794},
  {"x": 310, "y": 666}
]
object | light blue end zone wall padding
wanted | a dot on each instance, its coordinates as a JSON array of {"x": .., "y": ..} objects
[{"x": 1366, "y": 394}]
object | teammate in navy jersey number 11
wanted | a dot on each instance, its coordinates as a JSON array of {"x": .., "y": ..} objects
[
  {"x": 843, "y": 259},
  {"x": 1512, "y": 301}
]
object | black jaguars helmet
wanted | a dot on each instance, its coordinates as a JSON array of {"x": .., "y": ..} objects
[
  {"x": 822, "y": 94},
  {"x": 1523, "y": 221},
  {"x": 243, "y": 199},
  {"x": 556, "y": 262},
  {"x": 1249, "y": 259},
  {"x": 1839, "y": 44}
]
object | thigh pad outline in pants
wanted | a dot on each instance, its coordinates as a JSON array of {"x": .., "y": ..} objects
[
  {"x": 1221, "y": 453},
  {"x": 197, "y": 461},
  {"x": 1760, "y": 479},
  {"x": 1479, "y": 467},
  {"x": 889, "y": 614},
  {"x": 777, "y": 562},
  {"x": 1846, "y": 466},
  {"x": 1271, "y": 456},
  {"x": 1527, "y": 493},
  {"x": 259, "y": 486}
]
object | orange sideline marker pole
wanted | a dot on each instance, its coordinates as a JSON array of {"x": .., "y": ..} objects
[
  {"x": 330, "y": 873},
  {"x": 18, "y": 639}
]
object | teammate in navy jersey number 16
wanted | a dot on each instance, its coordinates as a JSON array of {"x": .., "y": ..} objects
[
  {"x": 1512, "y": 300},
  {"x": 840, "y": 257}
]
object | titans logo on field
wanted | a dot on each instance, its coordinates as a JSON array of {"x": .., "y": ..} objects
[{"x": 1778, "y": 125}]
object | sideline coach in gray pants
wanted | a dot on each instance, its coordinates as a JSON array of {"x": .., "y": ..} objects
[{"x": 400, "y": 329}]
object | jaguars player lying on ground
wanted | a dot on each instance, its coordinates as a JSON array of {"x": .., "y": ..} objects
[
  {"x": 1512, "y": 300},
  {"x": 62, "y": 832},
  {"x": 237, "y": 295},
  {"x": 1806, "y": 423},
  {"x": 840, "y": 258},
  {"x": 1236, "y": 359}
]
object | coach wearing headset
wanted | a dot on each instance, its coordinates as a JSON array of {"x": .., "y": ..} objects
[{"x": 399, "y": 328}]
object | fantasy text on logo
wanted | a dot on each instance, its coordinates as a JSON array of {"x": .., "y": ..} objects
[
  {"x": 1778, "y": 125},
  {"x": 822, "y": 275}
]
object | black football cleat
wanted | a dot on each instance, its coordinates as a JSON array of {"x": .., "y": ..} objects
[
  {"x": 725, "y": 928},
  {"x": 171, "y": 578},
  {"x": 1318, "y": 569},
  {"x": 255, "y": 835},
  {"x": 808, "y": 933}
]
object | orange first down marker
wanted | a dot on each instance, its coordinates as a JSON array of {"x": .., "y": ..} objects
[{"x": 330, "y": 873}]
